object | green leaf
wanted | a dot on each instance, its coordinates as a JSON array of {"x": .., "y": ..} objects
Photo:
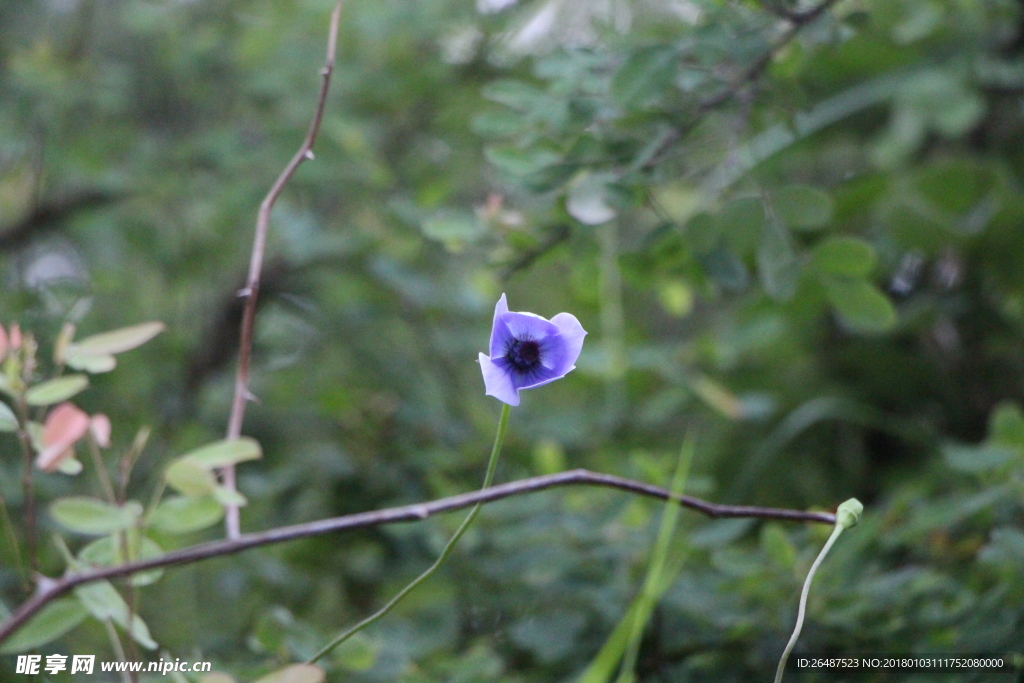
[
  {"x": 116, "y": 341},
  {"x": 1006, "y": 426},
  {"x": 777, "y": 264},
  {"x": 517, "y": 95},
  {"x": 521, "y": 162},
  {"x": 645, "y": 76},
  {"x": 497, "y": 124},
  {"x": 802, "y": 207},
  {"x": 742, "y": 223},
  {"x": 53, "y": 621},
  {"x": 725, "y": 267},
  {"x": 104, "y": 602},
  {"x": 844, "y": 256},
  {"x": 107, "y": 552},
  {"x": 191, "y": 478},
  {"x": 92, "y": 364},
  {"x": 226, "y": 452},
  {"x": 974, "y": 459},
  {"x": 453, "y": 228},
  {"x": 860, "y": 305},
  {"x": 94, "y": 516},
  {"x": 8, "y": 421},
  {"x": 227, "y": 497},
  {"x": 295, "y": 673},
  {"x": 70, "y": 466},
  {"x": 56, "y": 390},
  {"x": 185, "y": 514},
  {"x": 702, "y": 232}
]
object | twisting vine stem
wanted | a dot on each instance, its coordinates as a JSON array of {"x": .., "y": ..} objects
[{"x": 252, "y": 283}]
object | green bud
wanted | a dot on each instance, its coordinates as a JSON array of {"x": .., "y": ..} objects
[{"x": 848, "y": 514}]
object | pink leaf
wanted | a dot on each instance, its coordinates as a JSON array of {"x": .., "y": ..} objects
[{"x": 65, "y": 425}]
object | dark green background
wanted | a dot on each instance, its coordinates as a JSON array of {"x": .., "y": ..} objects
[{"x": 459, "y": 160}]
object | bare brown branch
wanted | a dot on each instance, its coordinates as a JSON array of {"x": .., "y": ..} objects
[
  {"x": 252, "y": 285},
  {"x": 49, "y": 590}
]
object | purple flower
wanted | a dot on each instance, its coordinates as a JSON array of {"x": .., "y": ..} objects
[{"x": 528, "y": 351}]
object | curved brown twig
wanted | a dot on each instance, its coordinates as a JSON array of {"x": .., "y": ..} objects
[
  {"x": 252, "y": 283},
  {"x": 49, "y": 590}
]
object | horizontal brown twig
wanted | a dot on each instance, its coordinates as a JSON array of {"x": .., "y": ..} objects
[{"x": 49, "y": 590}]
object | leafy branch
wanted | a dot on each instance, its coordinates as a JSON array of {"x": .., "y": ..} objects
[{"x": 795, "y": 21}]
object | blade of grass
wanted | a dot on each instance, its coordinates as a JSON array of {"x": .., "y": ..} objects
[{"x": 624, "y": 642}]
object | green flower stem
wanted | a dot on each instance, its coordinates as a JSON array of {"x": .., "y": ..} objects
[
  {"x": 492, "y": 465},
  {"x": 847, "y": 516}
]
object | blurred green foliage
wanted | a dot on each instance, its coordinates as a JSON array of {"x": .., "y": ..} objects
[{"x": 800, "y": 239}]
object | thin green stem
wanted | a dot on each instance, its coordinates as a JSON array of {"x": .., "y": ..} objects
[
  {"x": 115, "y": 643},
  {"x": 803, "y": 600},
  {"x": 654, "y": 583},
  {"x": 13, "y": 539},
  {"x": 492, "y": 465},
  {"x": 27, "y": 486},
  {"x": 101, "y": 470}
]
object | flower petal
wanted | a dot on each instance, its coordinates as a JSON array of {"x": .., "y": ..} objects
[
  {"x": 498, "y": 381},
  {"x": 527, "y": 326},
  {"x": 501, "y": 338},
  {"x": 554, "y": 354},
  {"x": 573, "y": 334},
  {"x": 500, "y": 308},
  {"x": 535, "y": 377}
]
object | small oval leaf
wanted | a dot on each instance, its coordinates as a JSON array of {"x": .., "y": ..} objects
[
  {"x": 229, "y": 498},
  {"x": 104, "y": 602},
  {"x": 70, "y": 466},
  {"x": 741, "y": 222},
  {"x": 295, "y": 673},
  {"x": 108, "y": 551},
  {"x": 116, "y": 341},
  {"x": 802, "y": 207},
  {"x": 777, "y": 264},
  {"x": 185, "y": 514},
  {"x": 191, "y": 478},
  {"x": 8, "y": 422},
  {"x": 92, "y": 515},
  {"x": 56, "y": 390},
  {"x": 226, "y": 452},
  {"x": 844, "y": 256},
  {"x": 92, "y": 364},
  {"x": 861, "y": 305},
  {"x": 53, "y": 621}
]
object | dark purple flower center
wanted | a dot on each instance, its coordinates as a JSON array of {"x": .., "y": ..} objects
[{"x": 523, "y": 355}]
